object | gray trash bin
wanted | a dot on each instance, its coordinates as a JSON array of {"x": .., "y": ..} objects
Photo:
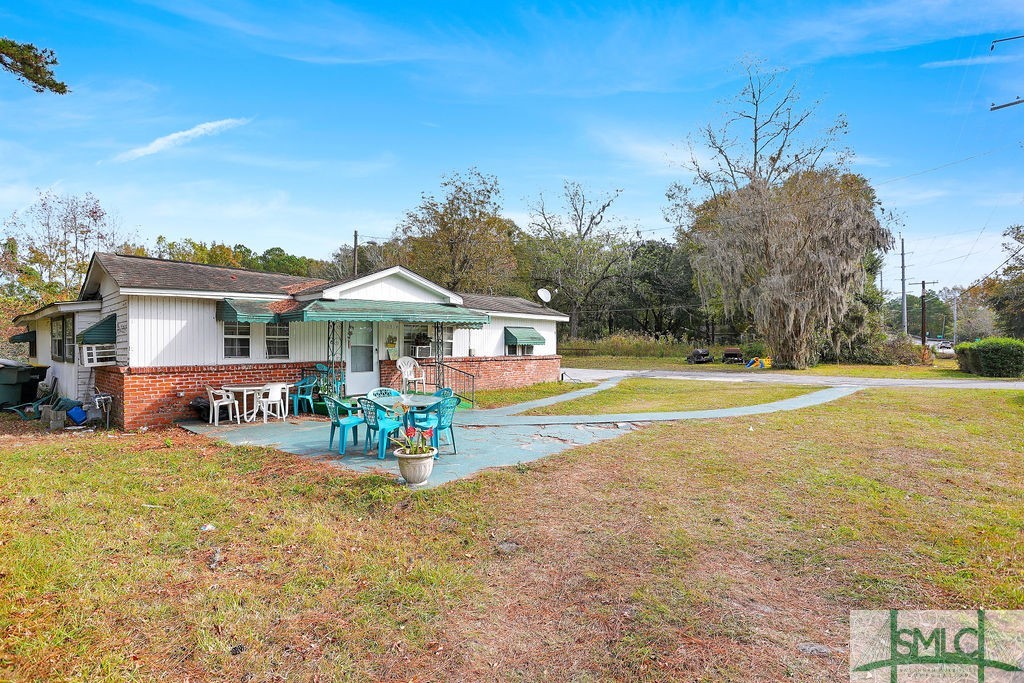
[{"x": 12, "y": 376}]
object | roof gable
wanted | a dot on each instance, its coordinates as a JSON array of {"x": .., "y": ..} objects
[{"x": 392, "y": 284}]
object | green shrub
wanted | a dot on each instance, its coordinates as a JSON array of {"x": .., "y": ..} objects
[
  {"x": 755, "y": 349},
  {"x": 878, "y": 349},
  {"x": 966, "y": 357},
  {"x": 627, "y": 344},
  {"x": 992, "y": 357}
]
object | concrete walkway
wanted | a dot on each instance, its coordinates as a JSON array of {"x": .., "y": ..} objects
[
  {"x": 778, "y": 377},
  {"x": 501, "y": 417},
  {"x": 490, "y": 438}
]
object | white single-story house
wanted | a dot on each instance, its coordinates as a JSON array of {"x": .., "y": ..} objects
[{"x": 153, "y": 333}]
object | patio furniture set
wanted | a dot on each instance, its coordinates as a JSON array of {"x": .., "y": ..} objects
[{"x": 383, "y": 411}]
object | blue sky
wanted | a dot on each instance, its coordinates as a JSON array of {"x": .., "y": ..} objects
[{"x": 292, "y": 124}]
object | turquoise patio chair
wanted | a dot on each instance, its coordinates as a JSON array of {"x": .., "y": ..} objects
[
  {"x": 419, "y": 415},
  {"x": 377, "y": 422},
  {"x": 303, "y": 393},
  {"x": 350, "y": 422},
  {"x": 440, "y": 417},
  {"x": 382, "y": 393}
]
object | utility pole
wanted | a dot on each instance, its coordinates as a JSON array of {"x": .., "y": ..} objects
[
  {"x": 355, "y": 253},
  {"x": 924, "y": 320},
  {"x": 956, "y": 296},
  {"x": 1018, "y": 99},
  {"x": 924, "y": 326},
  {"x": 903, "y": 280}
]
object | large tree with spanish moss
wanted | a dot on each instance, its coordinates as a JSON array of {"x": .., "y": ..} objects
[{"x": 778, "y": 224}]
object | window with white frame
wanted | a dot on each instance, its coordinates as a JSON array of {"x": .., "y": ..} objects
[
  {"x": 236, "y": 340},
  {"x": 277, "y": 340},
  {"x": 57, "y": 338},
  {"x": 62, "y": 339},
  {"x": 519, "y": 350},
  {"x": 69, "y": 339}
]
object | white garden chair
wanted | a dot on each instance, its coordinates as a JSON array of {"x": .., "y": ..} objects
[
  {"x": 271, "y": 400},
  {"x": 412, "y": 373},
  {"x": 219, "y": 398}
]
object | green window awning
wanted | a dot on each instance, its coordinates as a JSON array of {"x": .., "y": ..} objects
[
  {"x": 523, "y": 336},
  {"x": 102, "y": 332},
  {"x": 246, "y": 311},
  {"x": 361, "y": 310},
  {"x": 29, "y": 336}
]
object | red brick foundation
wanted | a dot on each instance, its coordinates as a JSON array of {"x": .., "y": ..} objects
[
  {"x": 149, "y": 397},
  {"x": 491, "y": 372}
]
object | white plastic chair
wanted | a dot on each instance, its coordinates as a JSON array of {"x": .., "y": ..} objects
[
  {"x": 219, "y": 398},
  {"x": 409, "y": 368},
  {"x": 271, "y": 400}
]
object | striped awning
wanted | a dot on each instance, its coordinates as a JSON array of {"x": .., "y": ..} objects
[
  {"x": 246, "y": 311},
  {"x": 361, "y": 310},
  {"x": 523, "y": 336},
  {"x": 102, "y": 332},
  {"x": 29, "y": 337}
]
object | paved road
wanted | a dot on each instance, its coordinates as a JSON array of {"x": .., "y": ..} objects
[{"x": 586, "y": 375}]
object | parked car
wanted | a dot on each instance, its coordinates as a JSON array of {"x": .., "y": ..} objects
[{"x": 944, "y": 349}]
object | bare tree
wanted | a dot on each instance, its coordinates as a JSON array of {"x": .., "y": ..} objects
[
  {"x": 575, "y": 249},
  {"x": 780, "y": 228},
  {"x": 51, "y": 242}
]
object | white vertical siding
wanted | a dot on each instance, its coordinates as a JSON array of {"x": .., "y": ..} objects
[
  {"x": 168, "y": 331},
  {"x": 490, "y": 340}
]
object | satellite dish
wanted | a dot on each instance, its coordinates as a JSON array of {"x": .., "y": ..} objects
[{"x": 544, "y": 295}]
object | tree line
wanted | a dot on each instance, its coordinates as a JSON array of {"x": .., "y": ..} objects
[{"x": 774, "y": 238}]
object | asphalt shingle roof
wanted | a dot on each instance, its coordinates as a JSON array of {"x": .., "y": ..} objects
[
  {"x": 152, "y": 273},
  {"x": 505, "y": 304}
]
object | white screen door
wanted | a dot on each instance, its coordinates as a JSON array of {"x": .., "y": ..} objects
[{"x": 361, "y": 373}]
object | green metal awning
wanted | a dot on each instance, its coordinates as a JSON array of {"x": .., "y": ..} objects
[
  {"x": 361, "y": 310},
  {"x": 102, "y": 332},
  {"x": 246, "y": 311},
  {"x": 29, "y": 336},
  {"x": 523, "y": 336}
]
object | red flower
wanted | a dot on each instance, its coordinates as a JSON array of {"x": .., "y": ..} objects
[
  {"x": 410, "y": 432},
  {"x": 428, "y": 433}
]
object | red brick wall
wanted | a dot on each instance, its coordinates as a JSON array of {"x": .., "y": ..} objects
[
  {"x": 491, "y": 372},
  {"x": 148, "y": 397}
]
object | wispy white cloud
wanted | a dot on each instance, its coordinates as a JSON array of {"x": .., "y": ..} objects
[
  {"x": 647, "y": 153},
  {"x": 166, "y": 142},
  {"x": 971, "y": 61}
]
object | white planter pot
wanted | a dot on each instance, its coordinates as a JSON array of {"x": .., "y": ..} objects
[{"x": 415, "y": 469}]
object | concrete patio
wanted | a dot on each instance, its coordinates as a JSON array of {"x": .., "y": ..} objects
[{"x": 486, "y": 438}]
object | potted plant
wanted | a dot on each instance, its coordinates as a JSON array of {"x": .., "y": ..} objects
[{"x": 415, "y": 454}]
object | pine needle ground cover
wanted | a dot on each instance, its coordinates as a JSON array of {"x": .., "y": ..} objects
[{"x": 704, "y": 550}]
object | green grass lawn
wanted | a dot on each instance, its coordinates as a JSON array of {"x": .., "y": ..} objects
[
  {"x": 499, "y": 398},
  {"x": 703, "y": 550},
  {"x": 943, "y": 368},
  {"x": 659, "y": 395}
]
